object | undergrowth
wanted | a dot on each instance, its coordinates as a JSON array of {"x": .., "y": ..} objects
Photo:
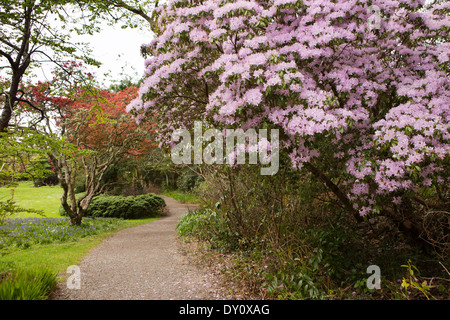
[{"x": 324, "y": 261}]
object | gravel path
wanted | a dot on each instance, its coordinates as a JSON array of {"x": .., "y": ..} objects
[{"x": 143, "y": 263}]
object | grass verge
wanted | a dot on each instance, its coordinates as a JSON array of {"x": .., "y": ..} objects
[
  {"x": 27, "y": 284},
  {"x": 46, "y": 261},
  {"x": 181, "y": 196}
]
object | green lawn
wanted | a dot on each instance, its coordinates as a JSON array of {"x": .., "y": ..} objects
[{"x": 28, "y": 196}]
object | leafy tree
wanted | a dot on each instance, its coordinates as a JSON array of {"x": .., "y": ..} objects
[
  {"x": 40, "y": 170},
  {"x": 21, "y": 157},
  {"x": 359, "y": 90},
  {"x": 160, "y": 166},
  {"x": 131, "y": 12},
  {"x": 29, "y": 37},
  {"x": 87, "y": 131},
  {"x": 35, "y": 32},
  {"x": 106, "y": 143}
]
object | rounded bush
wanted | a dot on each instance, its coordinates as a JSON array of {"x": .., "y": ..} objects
[{"x": 142, "y": 206}]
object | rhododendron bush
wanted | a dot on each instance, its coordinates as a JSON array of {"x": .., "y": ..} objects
[{"x": 358, "y": 89}]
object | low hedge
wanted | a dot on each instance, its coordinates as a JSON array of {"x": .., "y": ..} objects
[{"x": 142, "y": 206}]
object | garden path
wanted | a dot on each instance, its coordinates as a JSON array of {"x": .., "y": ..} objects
[{"x": 143, "y": 263}]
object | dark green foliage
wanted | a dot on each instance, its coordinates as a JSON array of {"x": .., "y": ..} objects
[
  {"x": 41, "y": 172},
  {"x": 142, "y": 206},
  {"x": 288, "y": 238},
  {"x": 207, "y": 225},
  {"x": 80, "y": 183},
  {"x": 123, "y": 84},
  {"x": 188, "y": 180}
]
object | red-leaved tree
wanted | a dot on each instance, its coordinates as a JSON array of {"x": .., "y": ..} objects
[{"x": 90, "y": 132}]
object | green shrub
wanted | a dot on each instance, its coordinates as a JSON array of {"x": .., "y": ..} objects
[
  {"x": 26, "y": 284},
  {"x": 80, "y": 184},
  {"x": 188, "y": 180},
  {"x": 189, "y": 223},
  {"x": 294, "y": 281},
  {"x": 142, "y": 206},
  {"x": 207, "y": 225}
]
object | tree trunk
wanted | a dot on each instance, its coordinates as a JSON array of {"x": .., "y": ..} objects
[
  {"x": 76, "y": 220},
  {"x": 413, "y": 230},
  {"x": 134, "y": 187},
  {"x": 5, "y": 118},
  {"x": 18, "y": 66}
]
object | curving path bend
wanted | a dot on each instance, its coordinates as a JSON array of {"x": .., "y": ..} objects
[{"x": 143, "y": 263}]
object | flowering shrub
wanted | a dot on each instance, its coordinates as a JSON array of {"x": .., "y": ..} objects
[{"x": 364, "y": 103}]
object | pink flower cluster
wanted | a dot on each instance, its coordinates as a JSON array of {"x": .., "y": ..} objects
[{"x": 378, "y": 98}]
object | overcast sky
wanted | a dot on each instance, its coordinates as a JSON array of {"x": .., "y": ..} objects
[
  {"x": 119, "y": 52},
  {"x": 117, "y": 49}
]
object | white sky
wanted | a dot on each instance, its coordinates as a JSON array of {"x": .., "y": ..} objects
[
  {"x": 117, "y": 49},
  {"x": 119, "y": 52}
]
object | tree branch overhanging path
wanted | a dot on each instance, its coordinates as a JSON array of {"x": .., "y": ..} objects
[{"x": 143, "y": 263}]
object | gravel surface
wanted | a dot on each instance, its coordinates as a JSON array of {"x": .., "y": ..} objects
[{"x": 144, "y": 263}]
